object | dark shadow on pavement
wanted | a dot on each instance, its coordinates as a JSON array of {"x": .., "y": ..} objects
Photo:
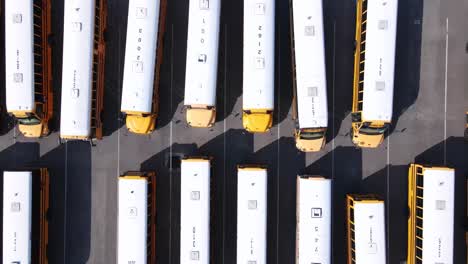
[
  {"x": 230, "y": 59},
  {"x": 115, "y": 37},
  {"x": 283, "y": 69},
  {"x": 408, "y": 57},
  {"x": 56, "y": 42},
  {"x": 339, "y": 27},
  {"x": 172, "y": 82},
  {"x": 77, "y": 201}
]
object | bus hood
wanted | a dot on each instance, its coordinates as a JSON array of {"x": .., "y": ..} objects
[
  {"x": 257, "y": 123},
  {"x": 367, "y": 141},
  {"x": 31, "y": 131},
  {"x": 310, "y": 145},
  {"x": 140, "y": 124},
  {"x": 201, "y": 117}
]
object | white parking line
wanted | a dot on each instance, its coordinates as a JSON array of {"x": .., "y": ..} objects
[
  {"x": 120, "y": 96},
  {"x": 224, "y": 140},
  {"x": 170, "y": 145},
  {"x": 333, "y": 99},
  {"x": 278, "y": 153},
  {"x": 388, "y": 199},
  {"x": 65, "y": 206},
  {"x": 445, "y": 90}
]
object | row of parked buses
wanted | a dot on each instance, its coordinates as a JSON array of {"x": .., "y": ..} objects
[
  {"x": 29, "y": 93},
  {"x": 430, "y": 222}
]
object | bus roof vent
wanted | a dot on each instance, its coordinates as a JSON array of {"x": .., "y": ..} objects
[
  {"x": 380, "y": 86},
  {"x": 312, "y": 91},
  {"x": 383, "y": 24}
]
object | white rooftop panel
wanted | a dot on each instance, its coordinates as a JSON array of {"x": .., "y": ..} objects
[
  {"x": 195, "y": 211},
  {"x": 309, "y": 54},
  {"x": 78, "y": 39},
  {"x": 251, "y": 216},
  {"x": 313, "y": 229},
  {"x": 17, "y": 197},
  {"x": 259, "y": 54},
  {"x": 202, "y": 52},
  {"x": 379, "y": 64},
  {"x": 19, "y": 59},
  {"x": 140, "y": 56},
  {"x": 132, "y": 221},
  {"x": 369, "y": 226},
  {"x": 438, "y": 214}
]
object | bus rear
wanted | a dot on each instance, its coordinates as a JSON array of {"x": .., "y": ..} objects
[
  {"x": 136, "y": 231},
  {"x": 309, "y": 76},
  {"x": 258, "y": 65},
  {"x": 195, "y": 197},
  {"x": 28, "y": 65},
  {"x": 202, "y": 62},
  {"x": 374, "y": 66},
  {"x": 313, "y": 220},
  {"x": 25, "y": 216},
  {"x": 431, "y": 205},
  {"x": 365, "y": 229},
  {"x": 143, "y": 59}
]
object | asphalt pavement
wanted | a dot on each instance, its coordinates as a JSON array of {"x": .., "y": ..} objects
[{"x": 431, "y": 97}]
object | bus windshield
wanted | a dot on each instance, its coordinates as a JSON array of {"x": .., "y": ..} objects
[
  {"x": 29, "y": 121},
  {"x": 368, "y": 130},
  {"x": 310, "y": 135}
]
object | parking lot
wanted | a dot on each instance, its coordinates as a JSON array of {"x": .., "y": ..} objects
[{"x": 431, "y": 97}]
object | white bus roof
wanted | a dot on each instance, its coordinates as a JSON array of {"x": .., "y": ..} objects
[
  {"x": 251, "y": 215},
  {"x": 19, "y": 59},
  {"x": 140, "y": 56},
  {"x": 313, "y": 216},
  {"x": 438, "y": 215},
  {"x": 379, "y": 64},
  {"x": 309, "y": 54},
  {"x": 78, "y": 40},
  {"x": 195, "y": 211},
  {"x": 132, "y": 220},
  {"x": 17, "y": 197},
  {"x": 259, "y": 55},
  {"x": 369, "y": 227},
  {"x": 202, "y": 52}
]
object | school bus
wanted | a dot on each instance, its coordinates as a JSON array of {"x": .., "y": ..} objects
[
  {"x": 309, "y": 74},
  {"x": 136, "y": 227},
  {"x": 26, "y": 216},
  {"x": 365, "y": 229},
  {"x": 374, "y": 66},
  {"x": 313, "y": 219},
  {"x": 258, "y": 83},
  {"x": 143, "y": 60},
  {"x": 28, "y": 65},
  {"x": 84, "y": 50},
  {"x": 195, "y": 198},
  {"x": 431, "y": 204},
  {"x": 252, "y": 193},
  {"x": 202, "y": 62}
]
